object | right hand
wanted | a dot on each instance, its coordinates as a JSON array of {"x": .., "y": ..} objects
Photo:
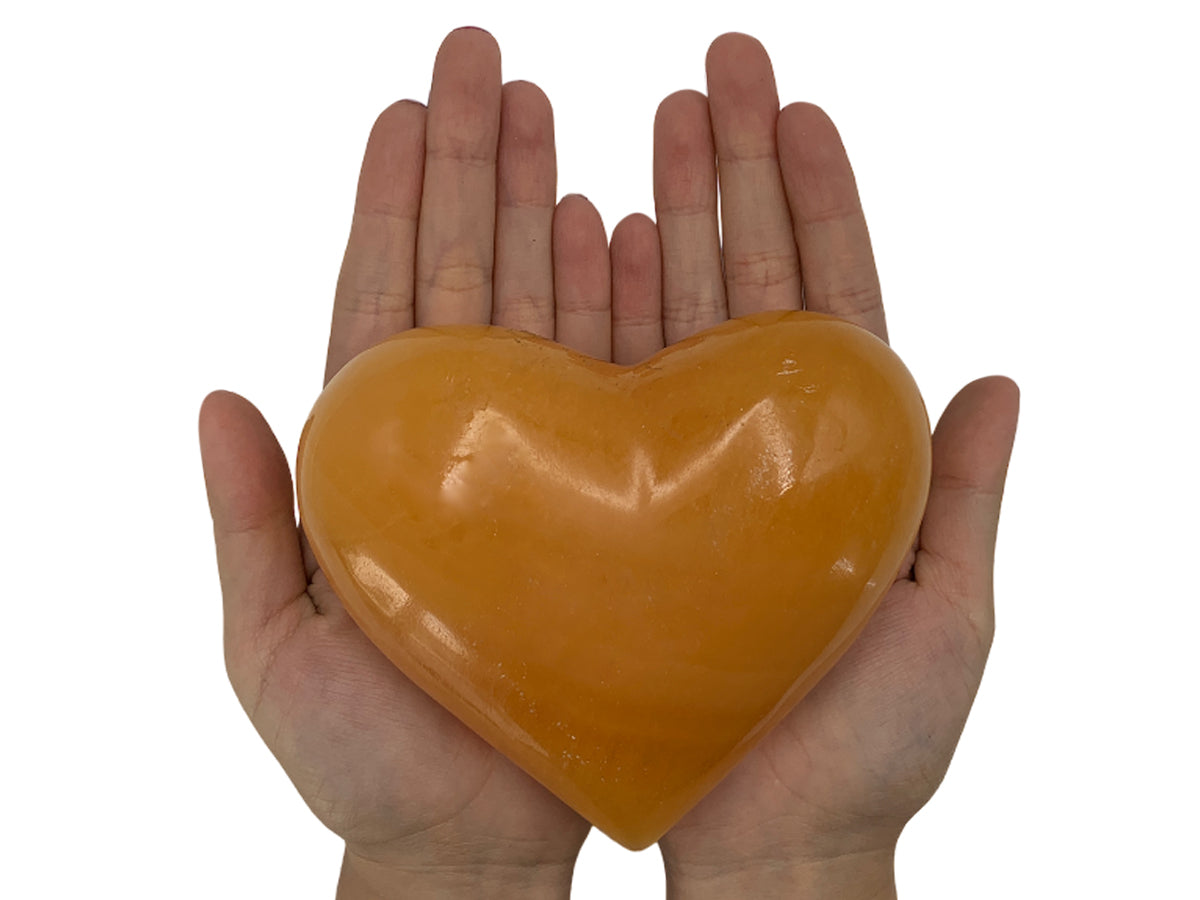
[{"x": 455, "y": 222}]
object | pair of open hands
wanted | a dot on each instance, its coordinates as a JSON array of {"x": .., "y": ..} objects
[{"x": 456, "y": 222}]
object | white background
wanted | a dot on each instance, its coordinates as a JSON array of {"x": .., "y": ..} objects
[{"x": 175, "y": 193}]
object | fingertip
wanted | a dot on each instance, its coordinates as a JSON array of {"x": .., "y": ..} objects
[
  {"x": 219, "y": 398},
  {"x": 576, "y": 218},
  {"x": 805, "y": 109},
  {"x": 214, "y": 412},
  {"x": 991, "y": 404},
  {"x": 207, "y": 404},
  {"x": 801, "y": 119},
  {"x": 467, "y": 29},
  {"x": 734, "y": 42},
  {"x": 527, "y": 127},
  {"x": 245, "y": 469},
  {"x": 681, "y": 102},
  {"x": 222, "y": 412},
  {"x": 636, "y": 255},
  {"x": 1006, "y": 386},
  {"x": 476, "y": 41},
  {"x": 579, "y": 238},
  {"x": 683, "y": 149},
  {"x": 527, "y": 90},
  {"x": 634, "y": 225},
  {"x": 399, "y": 117},
  {"x": 389, "y": 180},
  {"x": 994, "y": 383},
  {"x": 808, "y": 135}
]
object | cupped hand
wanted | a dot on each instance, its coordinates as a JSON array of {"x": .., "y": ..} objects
[
  {"x": 455, "y": 222},
  {"x": 827, "y": 793}
]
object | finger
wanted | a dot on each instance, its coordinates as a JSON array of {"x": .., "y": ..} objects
[
  {"x": 685, "y": 202},
  {"x": 836, "y": 260},
  {"x": 762, "y": 268},
  {"x": 637, "y": 319},
  {"x": 258, "y": 548},
  {"x": 526, "y": 185},
  {"x": 374, "y": 297},
  {"x": 971, "y": 450},
  {"x": 458, "y": 200},
  {"x": 582, "y": 296}
]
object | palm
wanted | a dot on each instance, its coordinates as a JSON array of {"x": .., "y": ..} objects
[
  {"x": 375, "y": 758},
  {"x": 869, "y": 742},
  {"x": 864, "y": 750}
]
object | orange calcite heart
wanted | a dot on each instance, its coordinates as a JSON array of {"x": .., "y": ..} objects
[{"x": 621, "y": 578}]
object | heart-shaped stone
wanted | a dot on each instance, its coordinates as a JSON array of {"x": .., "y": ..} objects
[{"x": 621, "y": 578}]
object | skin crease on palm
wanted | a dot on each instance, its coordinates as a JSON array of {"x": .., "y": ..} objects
[{"x": 455, "y": 221}]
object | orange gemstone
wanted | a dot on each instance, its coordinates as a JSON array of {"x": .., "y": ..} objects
[{"x": 621, "y": 578}]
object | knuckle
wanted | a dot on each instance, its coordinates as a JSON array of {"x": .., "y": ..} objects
[
  {"x": 460, "y": 278},
  {"x": 378, "y": 302},
  {"x": 856, "y": 299},
  {"x": 383, "y": 210},
  {"x": 833, "y": 213},
  {"x": 524, "y": 308},
  {"x": 462, "y": 150},
  {"x": 762, "y": 269}
]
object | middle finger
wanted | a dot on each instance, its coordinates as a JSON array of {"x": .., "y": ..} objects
[
  {"x": 762, "y": 266},
  {"x": 458, "y": 200}
]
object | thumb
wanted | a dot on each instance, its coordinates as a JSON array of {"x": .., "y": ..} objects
[
  {"x": 971, "y": 449},
  {"x": 258, "y": 546}
]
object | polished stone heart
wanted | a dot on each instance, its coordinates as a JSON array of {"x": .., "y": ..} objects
[{"x": 621, "y": 578}]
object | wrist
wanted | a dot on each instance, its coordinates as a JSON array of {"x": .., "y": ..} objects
[
  {"x": 365, "y": 879},
  {"x": 862, "y": 875}
]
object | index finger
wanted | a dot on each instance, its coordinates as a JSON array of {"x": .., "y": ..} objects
[
  {"x": 374, "y": 297},
  {"x": 837, "y": 264}
]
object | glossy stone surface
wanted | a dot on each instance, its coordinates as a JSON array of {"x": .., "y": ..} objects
[{"x": 619, "y": 577}]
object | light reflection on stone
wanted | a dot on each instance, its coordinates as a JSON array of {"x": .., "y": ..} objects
[
  {"x": 490, "y": 429},
  {"x": 376, "y": 579}
]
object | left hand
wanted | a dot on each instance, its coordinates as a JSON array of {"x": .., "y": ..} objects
[{"x": 817, "y": 807}]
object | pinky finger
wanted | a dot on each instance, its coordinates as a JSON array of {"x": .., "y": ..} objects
[{"x": 637, "y": 324}]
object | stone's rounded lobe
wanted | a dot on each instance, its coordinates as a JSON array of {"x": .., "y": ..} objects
[{"x": 619, "y": 577}]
